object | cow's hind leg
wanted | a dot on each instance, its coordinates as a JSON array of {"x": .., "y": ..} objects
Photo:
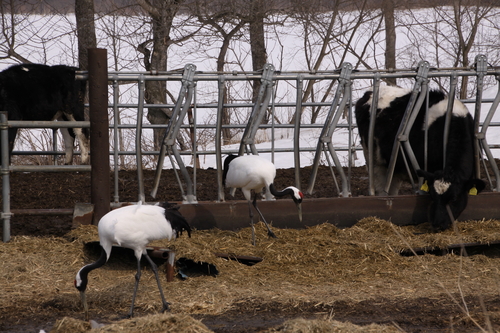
[
  {"x": 83, "y": 140},
  {"x": 69, "y": 142}
]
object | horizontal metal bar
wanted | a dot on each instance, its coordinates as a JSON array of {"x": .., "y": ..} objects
[
  {"x": 48, "y": 124},
  {"x": 49, "y": 168},
  {"x": 49, "y": 212},
  {"x": 319, "y": 75}
]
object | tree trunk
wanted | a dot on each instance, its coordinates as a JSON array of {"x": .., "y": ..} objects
[
  {"x": 162, "y": 13},
  {"x": 84, "y": 15},
  {"x": 257, "y": 41},
  {"x": 390, "y": 38}
]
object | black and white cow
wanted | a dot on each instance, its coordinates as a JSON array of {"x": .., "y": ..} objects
[
  {"x": 41, "y": 92},
  {"x": 447, "y": 187}
]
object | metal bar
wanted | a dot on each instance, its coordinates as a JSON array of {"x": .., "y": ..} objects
[
  {"x": 51, "y": 168},
  {"x": 328, "y": 128},
  {"x": 4, "y": 148},
  {"x": 449, "y": 112},
  {"x": 404, "y": 137},
  {"x": 44, "y": 212},
  {"x": 422, "y": 73},
  {"x": 218, "y": 139},
  {"x": 296, "y": 131},
  {"x": 346, "y": 96},
  {"x": 48, "y": 124},
  {"x": 138, "y": 137},
  {"x": 183, "y": 104},
  {"x": 258, "y": 111},
  {"x": 371, "y": 132},
  {"x": 482, "y": 136},
  {"x": 481, "y": 69},
  {"x": 116, "y": 138}
]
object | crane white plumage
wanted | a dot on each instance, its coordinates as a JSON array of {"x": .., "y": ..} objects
[
  {"x": 253, "y": 172},
  {"x": 134, "y": 227}
]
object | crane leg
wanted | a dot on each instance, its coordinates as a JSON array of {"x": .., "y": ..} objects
[
  {"x": 137, "y": 279},
  {"x": 250, "y": 213},
  {"x": 154, "y": 267},
  {"x": 269, "y": 231}
]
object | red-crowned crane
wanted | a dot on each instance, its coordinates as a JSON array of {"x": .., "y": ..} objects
[
  {"x": 252, "y": 172},
  {"x": 134, "y": 227}
]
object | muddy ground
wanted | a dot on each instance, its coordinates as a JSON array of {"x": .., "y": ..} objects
[{"x": 354, "y": 274}]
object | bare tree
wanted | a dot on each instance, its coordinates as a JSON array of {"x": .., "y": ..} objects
[
  {"x": 223, "y": 20},
  {"x": 468, "y": 16},
  {"x": 155, "y": 51},
  {"x": 256, "y": 18},
  {"x": 390, "y": 37},
  {"x": 10, "y": 22},
  {"x": 330, "y": 38},
  {"x": 452, "y": 34},
  {"x": 84, "y": 15}
]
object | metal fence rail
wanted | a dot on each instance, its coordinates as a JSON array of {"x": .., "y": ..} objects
[
  {"x": 344, "y": 81},
  {"x": 337, "y": 118}
]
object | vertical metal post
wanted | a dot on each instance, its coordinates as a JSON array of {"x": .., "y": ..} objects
[
  {"x": 422, "y": 73},
  {"x": 371, "y": 133},
  {"x": 449, "y": 111},
  {"x": 258, "y": 111},
  {"x": 296, "y": 130},
  {"x": 218, "y": 138},
  {"x": 325, "y": 140},
  {"x": 116, "y": 136},
  {"x": 4, "y": 141},
  {"x": 138, "y": 137},
  {"x": 481, "y": 70},
  {"x": 182, "y": 105},
  {"x": 482, "y": 136},
  {"x": 99, "y": 132}
]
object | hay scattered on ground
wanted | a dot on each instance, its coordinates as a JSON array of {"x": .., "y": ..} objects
[
  {"x": 300, "y": 325},
  {"x": 158, "y": 323},
  {"x": 312, "y": 268}
]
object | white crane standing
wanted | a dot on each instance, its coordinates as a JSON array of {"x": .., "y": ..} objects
[
  {"x": 252, "y": 172},
  {"x": 134, "y": 227}
]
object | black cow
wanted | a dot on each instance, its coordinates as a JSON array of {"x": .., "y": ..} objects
[
  {"x": 40, "y": 92},
  {"x": 448, "y": 186}
]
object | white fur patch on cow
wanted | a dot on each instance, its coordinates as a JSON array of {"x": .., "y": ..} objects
[
  {"x": 439, "y": 110},
  {"x": 441, "y": 186},
  {"x": 386, "y": 94}
]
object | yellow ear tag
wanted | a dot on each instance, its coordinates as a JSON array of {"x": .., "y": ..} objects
[
  {"x": 425, "y": 187},
  {"x": 473, "y": 191}
]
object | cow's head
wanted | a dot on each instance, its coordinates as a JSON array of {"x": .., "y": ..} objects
[{"x": 447, "y": 191}]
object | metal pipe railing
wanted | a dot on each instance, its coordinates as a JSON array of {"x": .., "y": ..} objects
[{"x": 271, "y": 97}]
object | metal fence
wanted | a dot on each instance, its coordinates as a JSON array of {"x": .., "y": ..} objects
[{"x": 338, "y": 94}]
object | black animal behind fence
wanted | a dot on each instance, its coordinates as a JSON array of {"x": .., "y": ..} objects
[{"x": 40, "y": 92}]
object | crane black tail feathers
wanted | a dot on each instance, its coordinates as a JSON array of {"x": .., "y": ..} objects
[
  {"x": 177, "y": 221},
  {"x": 227, "y": 160}
]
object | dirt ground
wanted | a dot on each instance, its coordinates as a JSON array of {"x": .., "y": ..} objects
[{"x": 354, "y": 275}]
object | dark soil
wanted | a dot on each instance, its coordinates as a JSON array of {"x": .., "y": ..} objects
[
  {"x": 431, "y": 315},
  {"x": 46, "y": 190}
]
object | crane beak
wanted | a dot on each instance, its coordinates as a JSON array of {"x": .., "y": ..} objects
[
  {"x": 299, "y": 208},
  {"x": 85, "y": 306}
]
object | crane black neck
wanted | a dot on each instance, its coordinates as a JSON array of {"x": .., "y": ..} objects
[
  {"x": 280, "y": 194},
  {"x": 85, "y": 270}
]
